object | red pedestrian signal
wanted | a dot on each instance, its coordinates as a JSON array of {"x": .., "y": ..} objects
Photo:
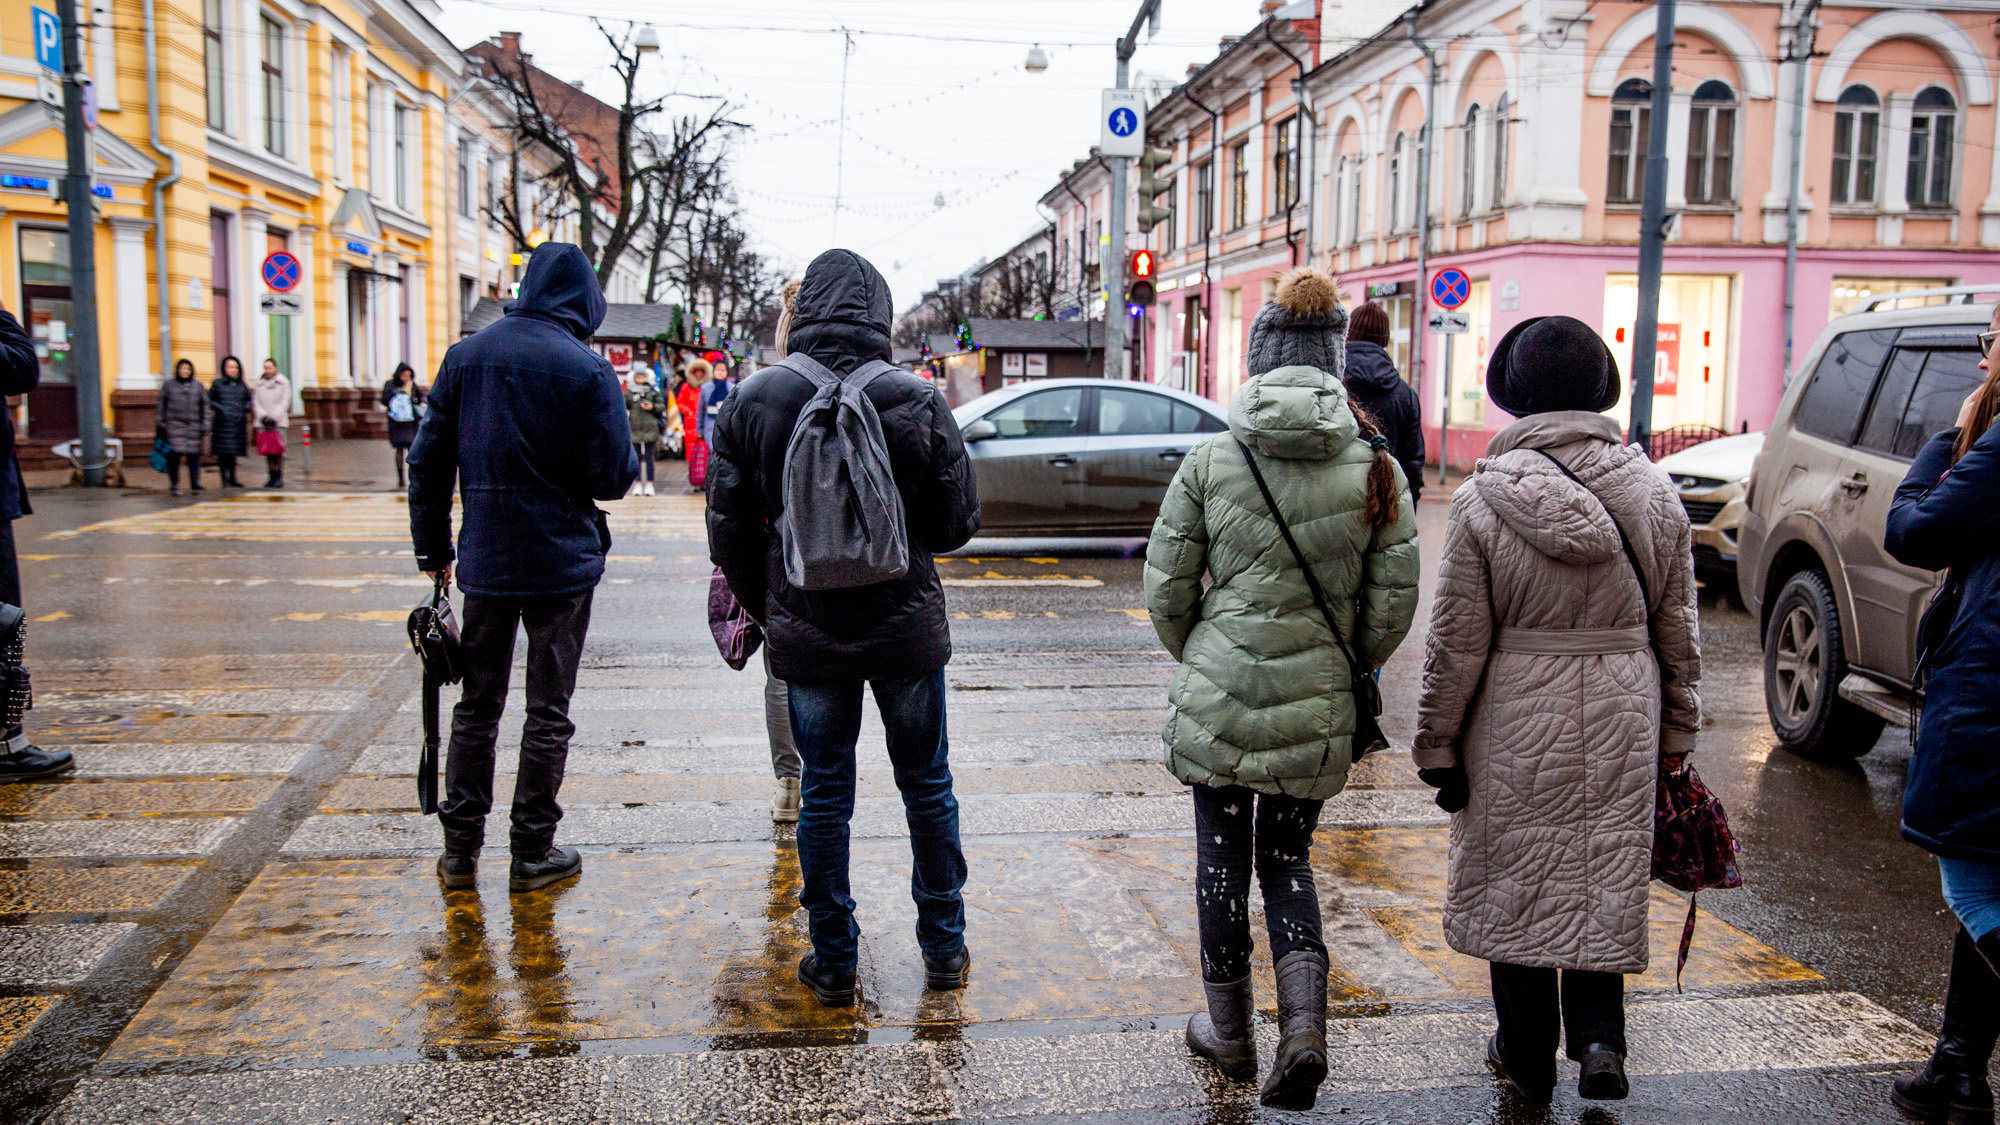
[{"x": 1141, "y": 266}]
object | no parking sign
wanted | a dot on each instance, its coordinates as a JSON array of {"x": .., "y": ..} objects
[{"x": 1450, "y": 287}]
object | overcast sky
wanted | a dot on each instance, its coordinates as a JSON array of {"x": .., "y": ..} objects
[{"x": 937, "y": 102}]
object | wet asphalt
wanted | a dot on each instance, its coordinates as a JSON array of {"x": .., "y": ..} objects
[{"x": 227, "y": 914}]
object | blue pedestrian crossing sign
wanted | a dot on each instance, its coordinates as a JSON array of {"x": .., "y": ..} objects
[
  {"x": 1450, "y": 287},
  {"x": 1122, "y": 123},
  {"x": 281, "y": 272}
]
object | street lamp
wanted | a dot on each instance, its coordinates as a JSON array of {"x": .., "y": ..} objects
[
  {"x": 648, "y": 41},
  {"x": 1038, "y": 59}
]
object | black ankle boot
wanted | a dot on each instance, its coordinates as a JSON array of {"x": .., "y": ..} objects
[
  {"x": 947, "y": 974},
  {"x": 835, "y": 990},
  {"x": 458, "y": 872},
  {"x": 21, "y": 760},
  {"x": 1301, "y": 1063},
  {"x": 1602, "y": 1075},
  {"x": 1952, "y": 1086},
  {"x": 533, "y": 874},
  {"x": 1222, "y": 1034}
]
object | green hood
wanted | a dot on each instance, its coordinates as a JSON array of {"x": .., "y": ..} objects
[{"x": 1293, "y": 413}]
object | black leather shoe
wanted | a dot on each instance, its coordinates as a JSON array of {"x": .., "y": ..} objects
[
  {"x": 835, "y": 990},
  {"x": 458, "y": 872},
  {"x": 947, "y": 973},
  {"x": 1538, "y": 1094},
  {"x": 1602, "y": 1078},
  {"x": 32, "y": 763},
  {"x": 530, "y": 875},
  {"x": 1945, "y": 1092}
]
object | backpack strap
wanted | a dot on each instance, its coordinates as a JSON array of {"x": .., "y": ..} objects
[
  {"x": 808, "y": 368},
  {"x": 872, "y": 370}
]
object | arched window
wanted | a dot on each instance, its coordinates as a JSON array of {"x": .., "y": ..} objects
[
  {"x": 1711, "y": 154},
  {"x": 1395, "y": 204},
  {"x": 1631, "y": 125},
  {"x": 1857, "y": 131},
  {"x": 1933, "y": 132},
  {"x": 1468, "y": 163},
  {"x": 1500, "y": 111}
]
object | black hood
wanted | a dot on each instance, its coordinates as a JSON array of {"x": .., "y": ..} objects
[
  {"x": 843, "y": 312},
  {"x": 1369, "y": 368},
  {"x": 561, "y": 287}
]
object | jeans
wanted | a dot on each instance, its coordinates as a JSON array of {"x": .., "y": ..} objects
[
  {"x": 778, "y": 723},
  {"x": 826, "y": 721},
  {"x": 174, "y": 469},
  {"x": 646, "y": 451},
  {"x": 1585, "y": 1008},
  {"x": 1238, "y": 828},
  {"x": 1973, "y": 891},
  {"x": 556, "y": 628}
]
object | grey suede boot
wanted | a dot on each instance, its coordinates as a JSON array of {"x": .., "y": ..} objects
[
  {"x": 1222, "y": 1034},
  {"x": 1301, "y": 1063}
]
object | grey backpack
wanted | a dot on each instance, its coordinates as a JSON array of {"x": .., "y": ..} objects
[{"x": 843, "y": 520}]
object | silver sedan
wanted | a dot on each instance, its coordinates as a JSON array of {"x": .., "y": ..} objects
[{"x": 1080, "y": 456}]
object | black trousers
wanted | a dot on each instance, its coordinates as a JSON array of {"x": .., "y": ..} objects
[
  {"x": 10, "y": 566},
  {"x": 1236, "y": 830},
  {"x": 1535, "y": 1011},
  {"x": 225, "y": 467},
  {"x": 174, "y": 469},
  {"x": 556, "y": 628}
]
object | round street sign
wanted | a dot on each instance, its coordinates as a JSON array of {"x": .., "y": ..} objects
[
  {"x": 1450, "y": 287},
  {"x": 281, "y": 272},
  {"x": 1123, "y": 121}
]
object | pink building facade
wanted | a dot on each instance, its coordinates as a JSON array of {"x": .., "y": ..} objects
[{"x": 1540, "y": 129}]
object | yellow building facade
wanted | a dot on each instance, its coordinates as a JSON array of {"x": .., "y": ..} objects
[{"x": 323, "y": 130}]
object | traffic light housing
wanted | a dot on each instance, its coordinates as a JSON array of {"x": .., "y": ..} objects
[
  {"x": 1139, "y": 268},
  {"x": 1151, "y": 187}
]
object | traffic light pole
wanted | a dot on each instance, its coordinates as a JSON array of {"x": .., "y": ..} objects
[
  {"x": 1115, "y": 355},
  {"x": 1652, "y": 234},
  {"x": 80, "y": 203}
]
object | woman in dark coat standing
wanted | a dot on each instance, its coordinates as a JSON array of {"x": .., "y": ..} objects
[
  {"x": 229, "y": 419},
  {"x": 1946, "y": 516},
  {"x": 181, "y": 418},
  {"x": 401, "y": 396}
]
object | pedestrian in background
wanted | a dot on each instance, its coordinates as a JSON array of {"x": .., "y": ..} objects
[
  {"x": 20, "y": 760},
  {"x": 181, "y": 417},
  {"x": 228, "y": 419},
  {"x": 892, "y": 638},
  {"x": 1376, "y": 387},
  {"x": 271, "y": 407},
  {"x": 1263, "y": 719},
  {"x": 529, "y": 424},
  {"x": 689, "y": 401},
  {"x": 403, "y": 399},
  {"x": 785, "y": 763},
  {"x": 713, "y": 393},
  {"x": 644, "y": 406},
  {"x": 1560, "y": 676},
  {"x": 1943, "y": 518}
]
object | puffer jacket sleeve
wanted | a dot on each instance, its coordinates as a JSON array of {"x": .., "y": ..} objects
[
  {"x": 1177, "y": 553},
  {"x": 1409, "y": 438},
  {"x": 1389, "y": 585},
  {"x": 1677, "y": 636},
  {"x": 607, "y": 439},
  {"x": 947, "y": 511},
  {"x": 1461, "y": 636}
]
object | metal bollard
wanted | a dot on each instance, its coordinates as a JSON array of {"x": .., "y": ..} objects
[{"x": 306, "y": 446}]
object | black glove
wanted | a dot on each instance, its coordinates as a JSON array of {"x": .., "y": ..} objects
[{"x": 1453, "y": 790}]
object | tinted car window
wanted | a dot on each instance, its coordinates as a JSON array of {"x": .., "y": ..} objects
[
  {"x": 1885, "y": 417},
  {"x": 1949, "y": 375},
  {"x": 1832, "y": 403},
  {"x": 1039, "y": 415},
  {"x": 1123, "y": 412},
  {"x": 1193, "y": 420}
]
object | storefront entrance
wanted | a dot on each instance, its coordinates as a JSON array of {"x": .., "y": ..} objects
[
  {"x": 46, "y": 313},
  {"x": 1692, "y": 363}
]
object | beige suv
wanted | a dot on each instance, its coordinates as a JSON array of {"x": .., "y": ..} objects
[{"x": 1838, "y": 615}]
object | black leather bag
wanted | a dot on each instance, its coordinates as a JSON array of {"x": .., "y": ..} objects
[
  {"x": 1368, "y": 736},
  {"x": 434, "y": 638}
]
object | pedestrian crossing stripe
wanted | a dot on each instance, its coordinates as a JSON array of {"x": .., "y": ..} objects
[{"x": 365, "y": 517}]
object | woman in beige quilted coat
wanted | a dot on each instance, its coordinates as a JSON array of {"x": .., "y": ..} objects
[{"x": 1555, "y": 682}]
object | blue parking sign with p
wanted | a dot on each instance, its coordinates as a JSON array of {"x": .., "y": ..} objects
[{"x": 48, "y": 39}]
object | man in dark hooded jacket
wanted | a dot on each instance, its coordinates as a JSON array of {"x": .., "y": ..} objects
[
  {"x": 1374, "y": 385},
  {"x": 825, "y": 644},
  {"x": 531, "y": 425}
]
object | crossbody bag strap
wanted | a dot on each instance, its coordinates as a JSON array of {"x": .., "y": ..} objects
[
  {"x": 1312, "y": 582},
  {"x": 1638, "y": 572}
]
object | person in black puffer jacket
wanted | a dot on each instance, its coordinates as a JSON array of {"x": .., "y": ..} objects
[
  {"x": 1374, "y": 385},
  {"x": 893, "y": 636},
  {"x": 229, "y": 418}
]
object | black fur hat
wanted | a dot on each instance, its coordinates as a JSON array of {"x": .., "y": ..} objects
[{"x": 1548, "y": 363}]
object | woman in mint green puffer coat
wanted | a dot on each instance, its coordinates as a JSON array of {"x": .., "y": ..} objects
[{"x": 1263, "y": 713}]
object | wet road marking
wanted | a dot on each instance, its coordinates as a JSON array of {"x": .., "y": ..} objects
[
  {"x": 134, "y": 798},
  {"x": 114, "y": 838},
  {"x": 88, "y": 890},
  {"x": 45, "y": 956},
  {"x": 156, "y": 759},
  {"x": 360, "y": 517}
]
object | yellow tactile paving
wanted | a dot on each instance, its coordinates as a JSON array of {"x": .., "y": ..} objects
[
  {"x": 18, "y": 1014},
  {"x": 86, "y": 890},
  {"x": 134, "y": 797},
  {"x": 703, "y": 940}
]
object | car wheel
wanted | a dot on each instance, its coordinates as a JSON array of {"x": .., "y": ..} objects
[{"x": 1804, "y": 663}]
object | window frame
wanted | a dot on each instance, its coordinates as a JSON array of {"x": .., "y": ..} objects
[
  {"x": 1285, "y": 164},
  {"x": 465, "y": 177},
  {"x": 1862, "y": 122},
  {"x": 1468, "y": 161},
  {"x": 1709, "y": 179},
  {"x": 1633, "y": 112},
  {"x": 1940, "y": 158},
  {"x": 1396, "y": 177},
  {"x": 272, "y": 43},
  {"x": 1204, "y": 208},
  {"x": 400, "y": 150},
  {"x": 1239, "y": 184},
  {"x": 215, "y": 66},
  {"x": 1497, "y": 191}
]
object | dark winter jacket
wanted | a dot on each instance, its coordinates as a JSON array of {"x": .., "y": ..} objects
[
  {"x": 1948, "y": 515},
  {"x": 20, "y": 372},
  {"x": 229, "y": 413},
  {"x": 892, "y": 630},
  {"x": 401, "y": 434},
  {"x": 182, "y": 414},
  {"x": 1374, "y": 385},
  {"x": 530, "y": 423}
]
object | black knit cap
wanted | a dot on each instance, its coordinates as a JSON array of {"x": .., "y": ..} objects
[{"x": 1548, "y": 363}]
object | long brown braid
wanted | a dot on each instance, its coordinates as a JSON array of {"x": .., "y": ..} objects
[{"x": 1384, "y": 497}]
